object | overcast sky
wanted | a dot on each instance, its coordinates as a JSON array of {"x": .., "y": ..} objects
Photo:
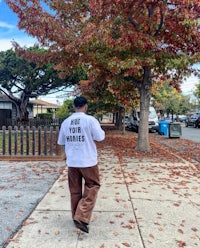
[{"x": 10, "y": 32}]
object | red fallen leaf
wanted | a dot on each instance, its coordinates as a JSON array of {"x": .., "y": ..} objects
[
  {"x": 152, "y": 236},
  {"x": 28, "y": 222},
  {"x": 176, "y": 204},
  {"x": 194, "y": 229},
  {"x": 130, "y": 226},
  {"x": 8, "y": 229},
  {"x": 102, "y": 246},
  {"x": 181, "y": 243},
  {"x": 132, "y": 221},
  {"x": 126, "y": 244},
  {"x": 17, "y": 196},
  {"x": 119, "y": 215}
]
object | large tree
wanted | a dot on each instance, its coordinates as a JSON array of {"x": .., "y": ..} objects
[
  {"x": 133, "y": 41},
  {"x": 21, "y": 80},
  {"x": 170, "y": 101}
]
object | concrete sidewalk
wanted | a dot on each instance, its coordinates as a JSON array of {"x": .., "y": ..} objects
[{"x": 141, "y": 204}]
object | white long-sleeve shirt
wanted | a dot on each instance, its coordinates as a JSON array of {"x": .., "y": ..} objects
[{"x": 78, "y": 134}]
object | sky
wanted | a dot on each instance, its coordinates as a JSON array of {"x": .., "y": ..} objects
[{"x": 9, "y": 32}]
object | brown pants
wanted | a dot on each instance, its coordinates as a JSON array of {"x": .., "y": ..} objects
[{"x": 83, "y": 196}]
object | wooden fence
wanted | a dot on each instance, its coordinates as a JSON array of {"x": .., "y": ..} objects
[
  {"x": 29, "y": 143},
  {"x": 34, "y": 122}
]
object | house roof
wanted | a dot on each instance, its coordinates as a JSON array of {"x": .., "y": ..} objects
[
  {"x": 4, "y": 98},
  {"x": 39, "y": 102}
]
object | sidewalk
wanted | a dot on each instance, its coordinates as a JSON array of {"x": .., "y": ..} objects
[{"x": 141, "y": 204}]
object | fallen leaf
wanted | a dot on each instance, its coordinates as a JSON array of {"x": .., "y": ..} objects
[
  {"x": 181, "y": 243},
  {"x": 194, "y": 229},
  {"x": 17, "y": 196},
  {"x": 126, "y": 244},
  {"x": 57, "y": 232},
  {"x": 151, "y": 235},
  {"x": 116, "y": 233}
]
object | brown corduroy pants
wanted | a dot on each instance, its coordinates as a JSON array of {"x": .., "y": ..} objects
[{"x": 84, "y": 184}]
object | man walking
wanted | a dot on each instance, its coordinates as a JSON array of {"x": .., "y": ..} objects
[{"x": 78, "y": 134}]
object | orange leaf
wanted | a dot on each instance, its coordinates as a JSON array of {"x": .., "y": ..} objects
[{"x": 57, "y": 232}]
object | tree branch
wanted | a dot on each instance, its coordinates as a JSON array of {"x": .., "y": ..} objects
[
  {"x": 133, "y": 22},
  {"x": 151, "y": 11},
  {"x": 10, "y": 95},
  {"x": 160, "y": 24}
]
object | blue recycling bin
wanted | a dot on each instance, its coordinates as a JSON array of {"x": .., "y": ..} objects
[{"x": 164, "y": 127}]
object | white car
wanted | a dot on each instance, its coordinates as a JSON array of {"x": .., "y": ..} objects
[{"x": 134, "y": 120}]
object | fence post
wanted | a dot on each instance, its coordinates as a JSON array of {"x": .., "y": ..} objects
[
  {"x": 57, "y": 133},
  {"x": 4, "y": 139},
  {"x": 33, "y": 140},
  {"x": 27, "y": 140},
  {"x": 45, "y": 140},
  {"x": 51, "y": 140},
  {"x": 21, "y": 140},
  {"x": 15, "y": 139},
  {"x": 10, "y": 140},
  {"x": 39, "y": 140}
]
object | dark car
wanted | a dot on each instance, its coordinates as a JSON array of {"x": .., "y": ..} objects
[
  {"x": 193, "y": 121},
  {"x": 197, "y": 122}
]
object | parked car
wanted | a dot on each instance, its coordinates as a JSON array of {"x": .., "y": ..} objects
[
  {"x": 193, "y": 121},
  {"x": 126, "y": 118},
  {"x": 182, "y": 118},
  {"x": 134, "y": 119},
  {"x": 197, "y": 122}
]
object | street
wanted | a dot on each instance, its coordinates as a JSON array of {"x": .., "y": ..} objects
[{"x": 191, "y": 133}]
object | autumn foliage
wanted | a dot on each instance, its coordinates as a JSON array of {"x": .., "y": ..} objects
[{"x": 123, "y": 43}]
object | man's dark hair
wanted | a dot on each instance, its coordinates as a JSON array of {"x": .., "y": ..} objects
[{"x": 80, "y": 101}]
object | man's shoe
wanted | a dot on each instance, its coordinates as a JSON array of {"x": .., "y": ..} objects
[{"x": 81, "y": 225}]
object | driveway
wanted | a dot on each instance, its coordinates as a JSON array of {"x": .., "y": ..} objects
[{"x": 22, "y": 186}]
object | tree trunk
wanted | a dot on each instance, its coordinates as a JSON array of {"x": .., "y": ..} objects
[
  {"x": 143, "y": 132},
  {"x": 119, "y": 119},
  {"x": 22, "y": 111}
]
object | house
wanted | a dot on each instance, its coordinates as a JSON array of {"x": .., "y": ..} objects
[
  {"x": 43, "y": 107},
  {"x": 8, "y": 109}
]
